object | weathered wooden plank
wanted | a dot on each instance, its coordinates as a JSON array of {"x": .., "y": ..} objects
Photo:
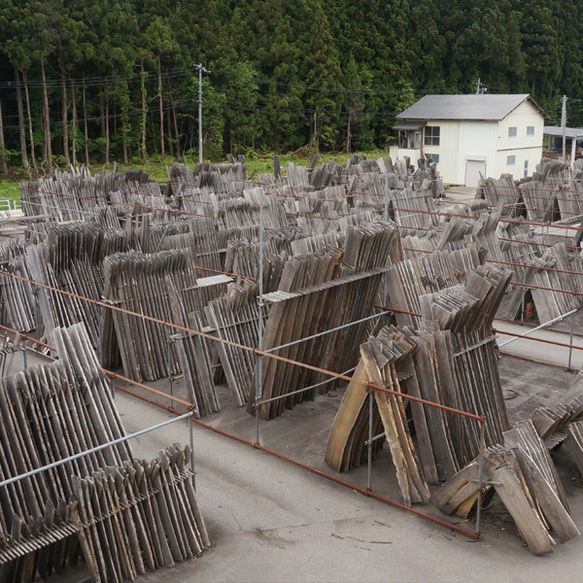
[{"x": 512, "y": 495}]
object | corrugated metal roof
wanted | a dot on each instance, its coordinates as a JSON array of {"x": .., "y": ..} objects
[
  {"x": 558, "y": 131},
  {"x": 466, "y": 107}
]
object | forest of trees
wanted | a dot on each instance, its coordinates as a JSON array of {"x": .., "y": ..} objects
[{"x": 106, "y": 80}]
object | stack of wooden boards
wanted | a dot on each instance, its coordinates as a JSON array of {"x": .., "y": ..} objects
[
  {"x": 78, "y": 196},
  {"x": 521, "y": 471},
  {"x": 542, "y": 197},
  {"x": 140, "y": 283},
  {"x": 449, "y": 359},
  {"x": 123, "y": 515},
  {"x": 321, "y": 292},
  {"x": 386, "y": 361},
  {"x": 18, "y": 304},
  {"x": 235, "y": 317},
  {"x": 523, "y": 475}
]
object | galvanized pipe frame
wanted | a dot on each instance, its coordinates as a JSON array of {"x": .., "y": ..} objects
[
  {"x": 370, "y": 387},
  {"x": 329, "y": 331},
  {"x": 261, "y": 353},
  {"x": 540, "y": 327},
  {"x": 97, "y": 448},
  {"x": 299, "y": 391},
  {"x": 368, "y": 491},
  {"x": 257, "y": 351}
]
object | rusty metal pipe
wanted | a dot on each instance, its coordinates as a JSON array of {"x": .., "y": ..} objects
[
  {"x": 337, "y": 480},
  {"x": 256, "y": 351}
]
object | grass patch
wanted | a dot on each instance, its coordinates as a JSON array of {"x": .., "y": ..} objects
[{"x": 9, "y": 190}]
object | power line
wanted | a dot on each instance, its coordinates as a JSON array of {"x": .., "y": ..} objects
[{"x": 109, "y": 80}]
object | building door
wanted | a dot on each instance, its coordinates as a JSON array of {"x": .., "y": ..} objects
[{"x": 473, "y": 170}]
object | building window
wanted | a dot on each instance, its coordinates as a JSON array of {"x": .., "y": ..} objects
[
  {"x": 510, "y": 160},
  {"x": 525, "y": 168},
  {"x": 512, "y": 132},
  {"x": 530, "y": 130},
  {"x": 431, "y": 136},
  {"x": 433, "y": 158}
]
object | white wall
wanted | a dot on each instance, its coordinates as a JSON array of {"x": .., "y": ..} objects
[
  {"x": 448, "y": 149},
  {"x": 461, "y": 141},
  {"x": 486, "y": 141},
  {"x": 523, "y": 147},
  {"x": 478, "y": 141}
]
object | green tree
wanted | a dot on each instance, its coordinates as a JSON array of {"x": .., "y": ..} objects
[
  {"x": 426, "y": 45},
  {"x": 541, "y": 47},
  {"x": 489, "y": 47},
  {"x": 322, "y": 74},
  {"x": 242, "y": 118}
]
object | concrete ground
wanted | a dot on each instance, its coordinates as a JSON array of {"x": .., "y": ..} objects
[{"x": 272, "y": 521}]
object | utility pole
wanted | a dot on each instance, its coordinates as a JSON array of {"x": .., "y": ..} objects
[
  {"x": 201, "y": 70},
  {"x": 480, "y": 87},
  {"x": 564, "y": 124}
]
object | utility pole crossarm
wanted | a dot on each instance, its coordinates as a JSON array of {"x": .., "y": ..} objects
[{"x": 201, "y": 70}]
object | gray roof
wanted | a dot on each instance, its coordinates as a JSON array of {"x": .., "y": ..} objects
[{"x": 466, "y": 107}]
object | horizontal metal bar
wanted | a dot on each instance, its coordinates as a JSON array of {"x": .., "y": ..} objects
[
  {"x": 375, "y": 438},
  {"x": 519, "y": 336},
  {"x": 92, "y": 450},
  {"x": 304, "y": 389},
  {"x": 326, "y": 332}
]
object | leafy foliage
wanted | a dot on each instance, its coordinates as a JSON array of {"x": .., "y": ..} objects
[{"x": 285, "y": 74}]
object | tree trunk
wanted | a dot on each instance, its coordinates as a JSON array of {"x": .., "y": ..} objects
[
  {"x": 3, "y": 165},
  {"x": 85, "y": 127},
  {"x": 65, "y": 121},
  {"x": 125, "y": 124},
  {"x": 349, "y": 132},
  {"x": 144, "y": 113},
  {"x": 21, "y": 128},
  {"x": 176, "y": 132},
  {"x": 31, "y": 133},
  {"x": 107, "y": 129},
  {"x": 316, "y": 138},
  {"x": 170, "y": 138},
  {"x": 75, "y": 126},
  {"x": 124, "y": 133},
  {"x": 161, "y": 100},
  {"x": 48, "y": 148},
  {"x": 102, "y": 113}
]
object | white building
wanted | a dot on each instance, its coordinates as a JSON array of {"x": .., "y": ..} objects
[{"x": 469, "y": 135}]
